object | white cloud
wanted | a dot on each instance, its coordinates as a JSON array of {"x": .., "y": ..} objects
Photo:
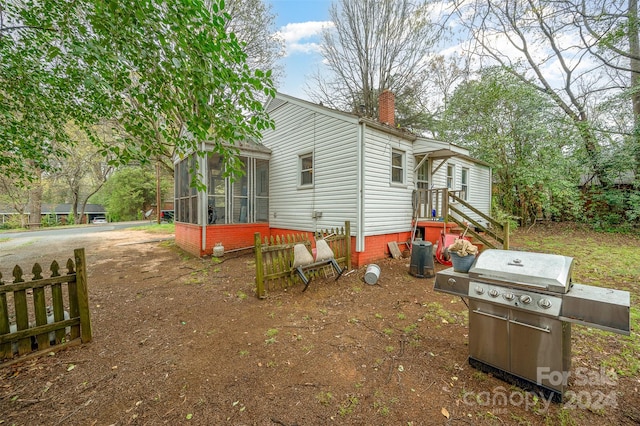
[{"x": 303, "y": 37}]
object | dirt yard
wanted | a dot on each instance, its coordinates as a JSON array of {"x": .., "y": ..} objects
[{"x": 179, "y": 340}]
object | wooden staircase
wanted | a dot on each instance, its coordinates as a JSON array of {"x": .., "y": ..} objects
[
  {"x": 494, "y": 236},
  {"x": 440, "y": 205}
]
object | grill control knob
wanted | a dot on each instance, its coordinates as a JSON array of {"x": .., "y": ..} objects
[
  {"x": 545, "y": 303},
  {"x": 525, "y": 298},
  {"x": 508, "y": 296},
  {"x": 494, "y": 293},
  {"x": 479, "y": 289}
]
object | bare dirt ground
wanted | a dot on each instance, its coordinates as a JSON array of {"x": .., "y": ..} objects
[{"x": 179, "y": 340}]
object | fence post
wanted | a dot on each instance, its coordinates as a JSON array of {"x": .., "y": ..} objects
[
  {"x": 5, "y": 348},
  {"x": 83, "y": 295},
  {"x": 505, "y": 243},
  {"x": 259, "y": 268},
  {"x": 347, "y": 236},
  {"x": 21, "y": 311}
]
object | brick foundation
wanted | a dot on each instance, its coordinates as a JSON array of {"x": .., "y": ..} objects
[
  {"x": 232, "y": 236},
  {"x": 238, "y": 236}
]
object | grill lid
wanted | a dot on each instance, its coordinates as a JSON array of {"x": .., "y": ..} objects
[{"x": 539, "y": 271}]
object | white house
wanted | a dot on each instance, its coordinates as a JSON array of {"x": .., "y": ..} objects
[
  {"x": 328, "y": 166},
  {"x": 325, "y": 167}
]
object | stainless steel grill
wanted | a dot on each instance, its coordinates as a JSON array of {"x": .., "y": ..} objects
[{"x": 521, "y": 306}]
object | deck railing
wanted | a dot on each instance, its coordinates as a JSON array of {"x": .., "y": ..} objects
[{"x": 447, "y": 205}]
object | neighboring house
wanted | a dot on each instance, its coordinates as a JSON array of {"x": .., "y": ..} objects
[
  {"x": 61, "y": 212},
  {"x": 321, "y": 167},
  {"x": 64, "y": 210}
]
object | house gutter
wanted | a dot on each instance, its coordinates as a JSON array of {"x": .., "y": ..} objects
[{"x": 360, "y": 187}]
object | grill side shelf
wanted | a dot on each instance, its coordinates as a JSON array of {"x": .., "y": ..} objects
[
  {"x": 603, "y": 308},
  {"x": 449, "y": 281}
]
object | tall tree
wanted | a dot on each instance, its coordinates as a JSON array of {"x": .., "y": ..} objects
[
  {"x": 166, "y": 71},
  {"x": 373, "y": 46},
  {"x": 80, "y": 173},
  {"x": 610, "y": 30},
  {"x": 39, "y": 93},
  {"x": 517, "y": 130},
  {"x": 15, "y": 194},
  {"x": 538, "y": 41},
  {"x": 253, "y": 22},
  {"x": 130, "y": 190}
]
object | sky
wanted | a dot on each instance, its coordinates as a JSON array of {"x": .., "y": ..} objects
[{"x": 300, "y": 23}]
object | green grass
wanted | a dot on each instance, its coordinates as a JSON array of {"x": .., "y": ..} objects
[
  {"x": 438, "y": 314},
  {"x": 163, "y": 228},
  {"x": 604, "y": 260}
]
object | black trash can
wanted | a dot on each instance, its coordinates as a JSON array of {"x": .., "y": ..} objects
[{"x": 422, "y": 259}]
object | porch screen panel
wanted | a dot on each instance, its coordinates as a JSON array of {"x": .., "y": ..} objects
[
  {"x": 186, "y": 196},
  {"x": 262, "y": 191},
  {"x": 241, "y": 207},
  {"x": 216, "y": 195}
]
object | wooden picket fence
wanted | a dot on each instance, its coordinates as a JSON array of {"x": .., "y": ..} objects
[
  {"x": 274, "y": 256},
  {"x": 34, "y": 315}
]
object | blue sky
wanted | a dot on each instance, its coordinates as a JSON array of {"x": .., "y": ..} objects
[{"x": 299, "y": 23}]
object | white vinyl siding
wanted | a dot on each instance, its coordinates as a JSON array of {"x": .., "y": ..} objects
[
  {"x": 333, "y": 142},
  {"x": 387, "y": 205},
  {"x": 479, "y": 178}
]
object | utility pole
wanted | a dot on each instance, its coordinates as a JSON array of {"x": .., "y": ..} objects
[{"x": 158, "y": 194}]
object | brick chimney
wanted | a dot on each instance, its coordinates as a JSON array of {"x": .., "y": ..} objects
[{"x": 387, "y": 108}]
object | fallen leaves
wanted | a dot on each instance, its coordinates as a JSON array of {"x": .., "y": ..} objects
[{"x": 445, "y": 412}]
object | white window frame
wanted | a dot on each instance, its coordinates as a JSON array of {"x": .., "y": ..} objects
[
  {"x": 422, "y": 175},
  {"x": 302, "y": 171},
  {"x": 402, "y": 167},
  {"x": 451, "y": 176},
  {"x": 464, "y": 183}
]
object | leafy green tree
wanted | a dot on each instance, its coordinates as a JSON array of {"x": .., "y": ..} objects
[
  {"x": 513, "y": 127},
  {"x": 128, "y": 191},
  {"x": 578, "y": 53},
  {"x": 167, "y": 72},
  {"x": 37, "y": 88},
  {"x": 79, "y": 174}
]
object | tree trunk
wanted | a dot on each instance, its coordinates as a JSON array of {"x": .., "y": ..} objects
[
  {"x": 35, "y": 196},
  {"x": 634, "y": 50},
  {"x": 76, "y": 200}
]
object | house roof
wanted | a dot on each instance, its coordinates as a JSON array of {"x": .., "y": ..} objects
[
  {"x": 249, "y": 145},
  {"x": 422, "y": 145},
  {"x": 62, "y": 208}
]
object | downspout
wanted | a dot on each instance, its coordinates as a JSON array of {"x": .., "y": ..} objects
[
  {"x": 202, "y": 212},
  {"x": 361, "y": 188}
]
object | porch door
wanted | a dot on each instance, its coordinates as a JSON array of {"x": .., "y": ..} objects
[{"x": 424, "y": 196}]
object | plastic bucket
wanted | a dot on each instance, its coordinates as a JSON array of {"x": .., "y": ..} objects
[
  {"x": 372, "y": 274},
  {"x": 462, "y": 263}
]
